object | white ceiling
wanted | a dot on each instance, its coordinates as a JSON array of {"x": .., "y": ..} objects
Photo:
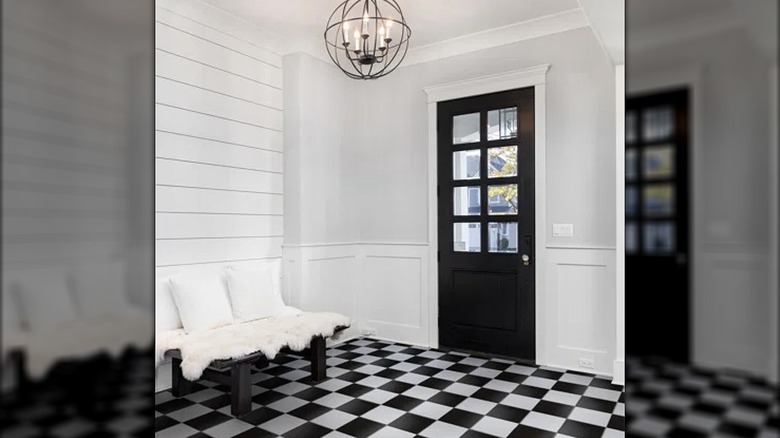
[{"x": 301, "y": 23}]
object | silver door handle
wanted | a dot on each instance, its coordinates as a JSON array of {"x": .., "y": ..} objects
[{"x": 526, "y": 260}]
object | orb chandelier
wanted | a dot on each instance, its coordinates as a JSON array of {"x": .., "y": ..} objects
[{"x": 367, "y": 39}]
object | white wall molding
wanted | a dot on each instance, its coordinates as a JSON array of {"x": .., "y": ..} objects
[
  {"x": 525, "y": 30},
  {"x": 577, "y": 319},
  {"x": 383, "y": 287},
  {"x": 361, "y": 243},
  {"x": 528, "y": 77}
]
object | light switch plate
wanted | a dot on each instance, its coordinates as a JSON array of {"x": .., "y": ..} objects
[{"x": 563, "y": 230}]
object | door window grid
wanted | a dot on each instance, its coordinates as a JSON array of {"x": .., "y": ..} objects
[
  {"x": 650, "y": 184},
  {"x": 495, "y": 204}
]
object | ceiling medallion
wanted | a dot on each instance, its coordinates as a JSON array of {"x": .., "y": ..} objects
[{"x": 367, "y": 39}]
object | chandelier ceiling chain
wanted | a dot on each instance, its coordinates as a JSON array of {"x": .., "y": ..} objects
[{"x": 367, "y": 39}]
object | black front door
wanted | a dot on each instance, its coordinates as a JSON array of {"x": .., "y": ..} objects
[
  {"x": 486, "y": 223},
  {"x": 657, "y": 259}
]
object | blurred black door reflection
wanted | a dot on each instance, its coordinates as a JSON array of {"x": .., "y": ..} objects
[{"x": 657, "y": 226}]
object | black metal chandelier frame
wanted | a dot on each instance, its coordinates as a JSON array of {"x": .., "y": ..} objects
[{"x": 366, "y": 58}]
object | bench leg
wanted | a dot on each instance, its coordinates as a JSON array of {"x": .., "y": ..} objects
[
  {"x": 317, "y": 352},
  {"x": 180, "y": 385},
  {"x": 240, "y": 389}
]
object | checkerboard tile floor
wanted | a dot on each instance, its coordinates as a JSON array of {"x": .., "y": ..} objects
[
  {"x": 382, "y": 389},
  {"x": 122, "y": 408},
  {"x": 673, "y": 400}
]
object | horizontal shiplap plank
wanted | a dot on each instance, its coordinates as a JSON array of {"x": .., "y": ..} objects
[
  {"x": 180, "y": 252},
  {"x": 68, "y": 129},
  {"x": 59, "y": 55},
  {"x": 204, "y": 126},
  {"x": 33, "y": 96},
  {"x": 214, "y": 266},
  {"x": 36, "y": 148},
  {"x": 204, "y": 101},
  {"x": 189, "y": 225},
  {"x": 29, "y": 199},
  {"x": 218, "y": 78},
  {"x": 22, "y": 68},
  {"x": 223, "y": 39},
  {"x": 173, "y": 40},
  {"x": 181, "y": 199},
  {"x": 46, "y": 250},
  {"x": 45, "y": 225},
  {"x": 206, "y": 151},
  {"x": 216, "y": 18},
  {"x": 178, "y": 173},
  {"x": 23, "y": 173}
]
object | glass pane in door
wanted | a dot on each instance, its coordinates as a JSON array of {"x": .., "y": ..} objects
[
  {"x": 465, "y": 128},
  {"x": 466, "y": 201},
  {"x": 502, "y": 199},
  {"x": 502, "y": 237},
  {"x": 502, "y": 124},
  {"x": 465, "y": 164},
  {"x": 502, "y": 162},
  {"x": 467, "y": 237}
]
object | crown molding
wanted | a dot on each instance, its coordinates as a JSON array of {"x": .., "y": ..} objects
[
  {"x": 524, "y": 30},
  {"x": 526, "y": 77}
]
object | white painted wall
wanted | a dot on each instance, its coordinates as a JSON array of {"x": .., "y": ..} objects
[
  {"x": 382, "y": 145},
  {"x": 730, "y": 190},
  {"x": 219, "y": 144}
]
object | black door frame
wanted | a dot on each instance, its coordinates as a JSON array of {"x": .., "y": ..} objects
[{"x": 531, "y": 77}]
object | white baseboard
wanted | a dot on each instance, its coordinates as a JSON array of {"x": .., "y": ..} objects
[{"x": 619, "y": 372}]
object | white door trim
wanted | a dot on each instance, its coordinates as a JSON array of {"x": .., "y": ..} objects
[
  {"x": 619, "y": 365},
  {"x": 529, "y": 77}
]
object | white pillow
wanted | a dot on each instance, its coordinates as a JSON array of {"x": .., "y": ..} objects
[
  {"x": 202, "y": 300},
  {"x": 166, "y": 315},
  {"x": 45, "y": 299},
  {"x": 252, "y": 294},
  {"x": 100, "y": 289},
  {"x": 276, "y": 272}
]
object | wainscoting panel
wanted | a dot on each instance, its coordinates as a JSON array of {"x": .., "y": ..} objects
[
  {"x": 393, "y": 296},
  {"x": 381, "y": 286},
  {"x": 578, "y": 320},
  {"x": 731, "y": 308}
]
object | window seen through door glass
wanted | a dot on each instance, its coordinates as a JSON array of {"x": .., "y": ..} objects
[
  {"x": 658, "y": 162},
  {"x": 658, "y": 238},
  {"x": 502, "y": 199},
  {"x": 467, "y": 237},
  {"x": 466, "y": 201},
  {"x": 502, "y": 162},
  {"x": 502, "y": 124},
  {"x": 465, "y": 128},
  {"x": 465, "y": 164},
  {"x": 658, "y": 200},
  {"x": 658, "y": 123},
  {"x": 502, "y": 237}
]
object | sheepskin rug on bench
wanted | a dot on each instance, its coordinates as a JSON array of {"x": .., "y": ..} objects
[{"x": 235, "y": 341}]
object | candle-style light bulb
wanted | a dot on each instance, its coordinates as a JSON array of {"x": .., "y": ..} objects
[
  {"x": 388, "y": 26},
  {"x": 365, "y": 23},
  {"x": 357, "y": 40},
  {"x": 346, "y": 31},
  {"x": 381, "y": 37}
]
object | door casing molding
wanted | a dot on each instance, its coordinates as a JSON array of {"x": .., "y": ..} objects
[{"x": 528, "y": 77}]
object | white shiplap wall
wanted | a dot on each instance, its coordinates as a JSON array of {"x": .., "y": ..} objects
[{"x": 219, "y": 155}]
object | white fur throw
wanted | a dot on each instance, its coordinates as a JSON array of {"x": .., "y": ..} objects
[{"x": 235, "y": 341}]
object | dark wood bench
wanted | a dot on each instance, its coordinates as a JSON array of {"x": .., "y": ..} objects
[{"x": 236, "y": 373}]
